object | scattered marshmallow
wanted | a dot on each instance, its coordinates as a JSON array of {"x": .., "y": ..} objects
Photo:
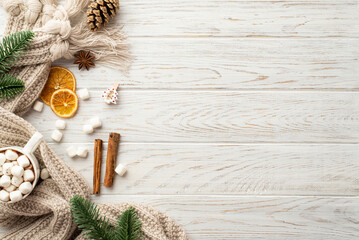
[
  {"x": 5, "y": 181},
  {"x": 17, "y": 171},
  {"x": 29, "y": 176},
  {"x": 4, "y": 196},
  {"x": 6, "y": 168},
  {"x": 15, "y": 196},
  {"x": 2, "y": 158},
  {"x": 44, "y": 174},
  {"x": 16, "y": 181},
  {"x": 23, "y": 161},
  {"x": 60, "y": 124},
  {"x": 82, "y": 152},
  {"x": 71, "y": 151},
  {"x": 95, "y": 122},
  {"x": 83, "y": 94},
  {"x": 88, "y": 129},
  {"x": 121, "y": 170},
  {"x": 25, "y": 188},
  {"x": 38, "y": 106},
  {"x": 11, "y": 155},
  {"x": 56, "y": 135},
  {"x": 11, "y": 188}
]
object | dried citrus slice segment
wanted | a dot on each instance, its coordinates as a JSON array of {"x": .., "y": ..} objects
[
  {"x": 64, "y": 103},
  {"x": 59, "y": 78}
]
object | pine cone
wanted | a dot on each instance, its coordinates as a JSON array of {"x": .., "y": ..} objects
[{"x": 100, "y": 12}]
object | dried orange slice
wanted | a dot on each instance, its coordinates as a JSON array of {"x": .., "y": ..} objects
[
  {"x": 59, "y": 78},
  {"x": 64, "y": 103}
]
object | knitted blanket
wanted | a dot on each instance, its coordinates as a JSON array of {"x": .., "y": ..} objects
[{"x": 46, "y": 213}]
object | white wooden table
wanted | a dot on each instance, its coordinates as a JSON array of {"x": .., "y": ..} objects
[{"x": 239, "y": 119}]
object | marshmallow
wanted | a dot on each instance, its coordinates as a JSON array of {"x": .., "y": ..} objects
[
  {"x": 29, "y": 176},
  {"x": 4, "y": 196},
  {"x": 44, "y": 174},
  {"x": 121, "y": 170},
  {"x": 82, "y": 152},
  {"x": 23, "y": 161},
  {"x": 16, "y": 181},
  {"x": 71, "y": 151},
  {"x": 88, "y": 129},
  {"x": 83, "y": 94},
  {"x": 56, "y": 135},
  {"x": 95, "y": 122},
  {"x": 15, "y": 163},
  {"x": 17, "y": 171},
  {"x": 25, "y": 188},
  {"x": 10, "y": 188},
  {"x": 2, "y": 158},
  {"x": 5, "y": 181},
  {"x": 1, "y": 173},
  {"x": 60, "y": 124},
  {"x": 6, "y": 168},
  {"x": 11, "y": 155},
  {"x": 38, "y": 106},
  {"x": 15, "y": 196}
]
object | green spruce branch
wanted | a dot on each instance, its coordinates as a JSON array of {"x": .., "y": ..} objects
[
  {"x": 87, "y": 217},
  {"x": 12, "y": 47},
  {"x": 10, "y": 86}
]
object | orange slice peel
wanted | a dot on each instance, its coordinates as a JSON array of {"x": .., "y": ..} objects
[
  {"x": 64, "y": 103},
  {"x": 59, "y": 78}
]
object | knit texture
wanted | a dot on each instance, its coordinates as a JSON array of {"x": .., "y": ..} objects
[{"x": 46, "y": 212}]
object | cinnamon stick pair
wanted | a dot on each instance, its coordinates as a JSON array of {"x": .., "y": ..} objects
[{"x": 113, "y": 142}]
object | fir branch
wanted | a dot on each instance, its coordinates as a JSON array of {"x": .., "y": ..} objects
[
  {"x": 128, "y": 226},
  {"x": 12, "y": 47},
  {"x": 10, "y": 86},
  {"x": 87, "y": 216}
]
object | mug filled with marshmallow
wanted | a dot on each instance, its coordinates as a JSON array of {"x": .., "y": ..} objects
[{"x": 19, "y": 170}]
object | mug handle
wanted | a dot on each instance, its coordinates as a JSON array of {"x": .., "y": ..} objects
[{"x": 33, "y": 143}]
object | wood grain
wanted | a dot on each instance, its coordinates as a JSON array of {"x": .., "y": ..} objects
[
  {"x": 269, "y": 218},
  {"x": 221, "y": 169},
  {"x": 238, "y": 18},
  {"x": 227, "y": 63},
  {"x": 216, "y": 116}
]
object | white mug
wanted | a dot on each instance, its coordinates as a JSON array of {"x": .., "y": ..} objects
[{"x": 28, "y": 151}]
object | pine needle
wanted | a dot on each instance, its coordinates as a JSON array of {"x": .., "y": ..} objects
[
  {"x": 12, "y": 47},
  {"x": 128, "y": 226},
  {"x": 10, "y": 86},
  {"x": 87, "y": 216}
]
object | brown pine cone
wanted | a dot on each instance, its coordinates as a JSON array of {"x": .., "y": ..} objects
[{"x": 100, "y": 12}]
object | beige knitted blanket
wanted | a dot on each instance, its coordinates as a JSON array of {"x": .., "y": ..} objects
[{"x": 46, "y": 213}]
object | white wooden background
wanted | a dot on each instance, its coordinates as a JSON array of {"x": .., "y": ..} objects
[{"x": 239, "y": 119}]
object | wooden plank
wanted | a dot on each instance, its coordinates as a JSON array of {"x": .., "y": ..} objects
[
  {"x": 227, "y": 63},
  {"x": 215, "y": 116},
  {"x": 287, "y": 18},
  {"x": 264, "y": 169},
  {"x": 217, "y": 217},
  {"x": 269, "y": 218}
]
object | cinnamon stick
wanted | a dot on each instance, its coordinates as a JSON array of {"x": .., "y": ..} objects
[
  {"x": 113, "y": 143},
  {"x": 97, "y": 166}
]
